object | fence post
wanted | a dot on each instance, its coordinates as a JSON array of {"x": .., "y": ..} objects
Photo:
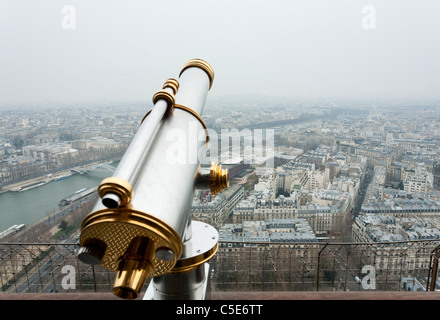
[
  {"x": 433, "y": 269},
  {"x": 318, "y": 266}
]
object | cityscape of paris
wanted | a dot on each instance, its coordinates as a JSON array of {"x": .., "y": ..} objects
[
  {"x": 332, "y": 150},
  {"x": 341, "y": 173}
]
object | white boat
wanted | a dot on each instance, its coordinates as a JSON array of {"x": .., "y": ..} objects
[
  {"x": 80, "y": 190},
  {"x": 32, "y": 185}
]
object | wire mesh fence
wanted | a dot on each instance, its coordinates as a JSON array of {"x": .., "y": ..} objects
[
  {"x": 239, "y": 266},
  {"x": 324, "y": 266},
  {"x": 37, "y": 267}
]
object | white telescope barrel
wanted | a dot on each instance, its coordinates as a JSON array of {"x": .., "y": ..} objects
[
  {"x": 165, "y": 185},
  {"x": 193, "y": 89},
  {"x": 167, "y": 169},
  {"x": 134, "y": 158}
]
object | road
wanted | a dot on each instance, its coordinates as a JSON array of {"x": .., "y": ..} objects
[
  {"x": 362, "y": 191},
  {"x": 44, "y": 273}
]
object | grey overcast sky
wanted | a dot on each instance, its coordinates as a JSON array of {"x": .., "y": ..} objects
[{"x": 123, "y": 50}]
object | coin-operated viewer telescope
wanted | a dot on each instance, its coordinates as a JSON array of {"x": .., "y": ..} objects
[{"x": 141, "y": 226}]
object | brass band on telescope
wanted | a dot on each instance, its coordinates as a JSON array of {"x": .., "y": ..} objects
[
  {"x": 146, "y": 115},
  {"x": 185, "y": 265},
  {"x": 168, "y": 97},
  {"x": 195, "y": 114},
  {"x": 173, "y": 84},
  {"x": 205, "y": 66},
  {"x": 117, "y": 186}
]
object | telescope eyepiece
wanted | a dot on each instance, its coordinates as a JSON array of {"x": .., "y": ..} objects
[
  {"x": 111, "y": 200},
  {"x": 115, "y": 192},
  {"x": 133, "y": 269}
]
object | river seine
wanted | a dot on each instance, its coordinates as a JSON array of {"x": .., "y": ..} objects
[{"x": 27, "y": 207}]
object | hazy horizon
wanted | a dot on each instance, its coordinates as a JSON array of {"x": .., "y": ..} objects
[{"x": 120, "y": 51}]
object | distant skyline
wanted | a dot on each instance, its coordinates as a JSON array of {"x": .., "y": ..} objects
[{"x": 115, "y": 50}]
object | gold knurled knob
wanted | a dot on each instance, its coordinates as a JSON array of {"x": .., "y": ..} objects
[{"x": 218, "y": 179}]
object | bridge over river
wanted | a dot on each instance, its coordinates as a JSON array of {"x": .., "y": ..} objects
[{"x": 100, "y": 167}]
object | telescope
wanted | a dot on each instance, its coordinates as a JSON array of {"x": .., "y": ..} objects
[{"x": 141, "y": 226}]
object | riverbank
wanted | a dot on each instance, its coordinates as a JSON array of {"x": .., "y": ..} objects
[
  {"x": 44, "y": 179},
  {"x": 49, "y": 228},
  {"x": 35, "y": 182},
  {"x": 41, "y": 201}
]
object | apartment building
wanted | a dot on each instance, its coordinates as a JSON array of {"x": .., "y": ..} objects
[
  {"x": 397, "y": 256},
  {"x": 216, "y": 210}
]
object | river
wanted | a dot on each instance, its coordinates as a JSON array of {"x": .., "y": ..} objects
[{"x": 27, "y": 207}]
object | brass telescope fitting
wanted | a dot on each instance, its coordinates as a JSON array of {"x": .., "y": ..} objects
[
  {"x": 168, "y": 97},
  {"x": 202, "y": 65},
  {"x": 204, "y": 245},
  {"x": 219, "y": 179},
  {"x": 214, "y": 178},
  {"x": 133, "y": 268},
  {"x": 173, "y": 84},
  {"x": 132, "y": 243},
  {"x": 115, "y": 192}
]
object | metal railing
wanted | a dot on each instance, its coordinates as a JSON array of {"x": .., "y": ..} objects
[
  {"x": 240, "y": 266},
  {"x": 390, "y": 266},
  {"x": 48, "y": 267}
]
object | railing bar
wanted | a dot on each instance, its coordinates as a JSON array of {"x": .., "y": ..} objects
[{"x": 285, "y": 258}]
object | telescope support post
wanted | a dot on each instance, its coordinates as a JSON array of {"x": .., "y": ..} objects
[{"x": 188, "y": 280}]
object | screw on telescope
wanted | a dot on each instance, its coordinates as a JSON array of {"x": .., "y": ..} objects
[
  {"x": 164, "y": 254},
  {"x": 92, "y": 251}
]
